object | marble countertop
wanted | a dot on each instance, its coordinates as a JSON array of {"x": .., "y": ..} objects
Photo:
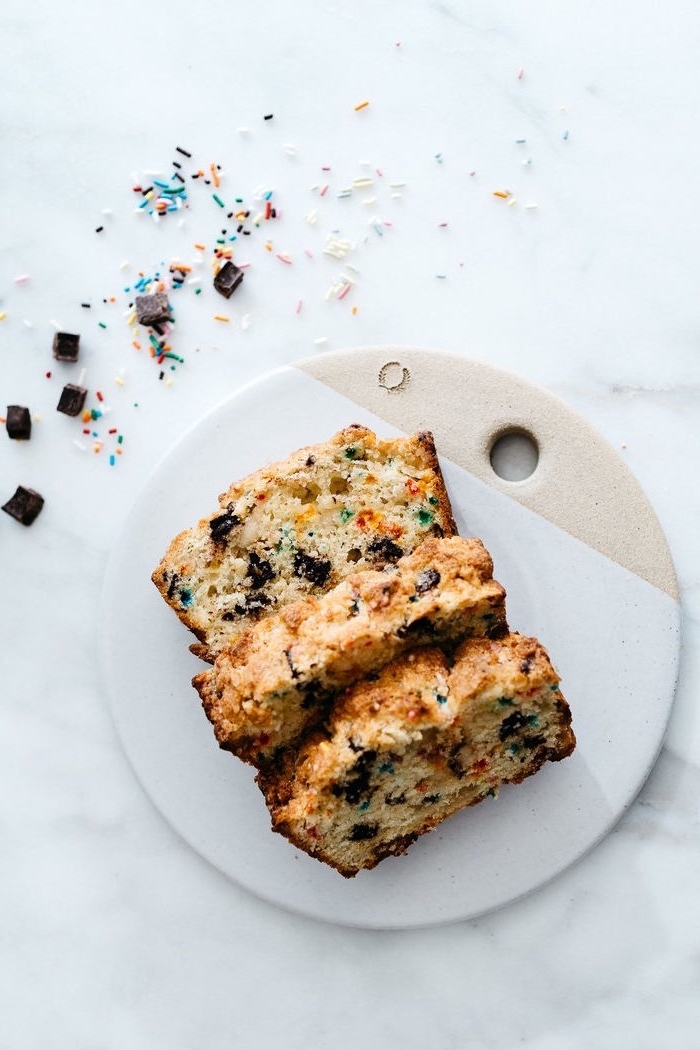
[{"x": 518, "y": 189}]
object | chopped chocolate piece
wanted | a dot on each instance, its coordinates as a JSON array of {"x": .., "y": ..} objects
[
  {"x": 221, "y": 525},
  {"x": 426, "y": 580},
  {"x": 152, "y": 308},
  {"x": 18, "y": 422},
  {"x": 360, "y": 832},
  {"x": 66, "y": 346},
  {"x": 227, "y": 279},
  {"x": 72, "y": 399},
  {"x": 25, "y": 506},
  {"x": 385, "y": 549},
  {"x": 260, "y": 571},
  {"x": 315, "y": 570}
]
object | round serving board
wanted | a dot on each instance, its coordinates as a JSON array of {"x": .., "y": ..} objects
[{"x": 586, "y": 568}]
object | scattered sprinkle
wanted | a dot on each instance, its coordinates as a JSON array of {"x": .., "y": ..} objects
[
  {"x": 361, "y": 105},
  {"x": 221, "y": 317}
]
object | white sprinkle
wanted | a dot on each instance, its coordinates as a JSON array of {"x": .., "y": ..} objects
[
  {"x": 337, "y": 247},
  {"x": 311, "y": 217},
  {"x": 80, "y": 445},
  {"x": 512, "y": 201},
  {"x": 107, "y": 211},
  {"x": 397, "y": 196},
  {"x": 530, "y": 206},
  {"x": 290, "y": 149},
  {"x": 81, "y": 377},
  {"x": 245, "y": 322},
  {"x": 370, "y": 200},
  {"x": 152, "y": 171},
  {"x": 56, "y": 325},
  {"x": 124, "y": 265},
  {"x": 360, "y": 183},
  {"x": 244, "y": 131},
  {"x": 527, "y": 163},
  {"x": 321, "y": 341},
  {"x": 396, "y": 185},
  {"x": 28, "y": 324}
]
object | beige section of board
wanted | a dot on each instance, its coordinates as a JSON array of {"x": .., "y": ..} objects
[{"x": 580, "y": 484}]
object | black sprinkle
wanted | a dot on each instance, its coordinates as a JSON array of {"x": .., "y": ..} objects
[
  {"x": 526, "y": 664},
  {"x": 176, "y": 164},
  {"x": 183, "y": 151},
  {"x": 268, "y": 116},
  {"x": 99, "y": 229},
  {"x": 85, "y": 306},
  {"x": 174, "y": 581},
  {"x": 395, "y": 800}
]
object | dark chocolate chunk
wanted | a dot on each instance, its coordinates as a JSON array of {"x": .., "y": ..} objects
[
  {"x": 534, "y": 741},
  {"x": 152, "y": 308},
  {"x": 360, "y": 832},
  {"x": 315, "y": 570},
  {"x": 430, "y": 799},
  {"x": 514, "y": 722},
  {"x": 526, "y": 664},
  {"x": 356, "y": 787},
  {"x": 259, "y": 570},
  {"x": 172, "y": 585},
  {"x": 384, "y": 549},
  {"x": 66, "y": 346},
  {"x": 426, "y": 580},
  {"x": 18, "y": 422},
  {"x": 72, "y": 399},
  {"x": 222, "y": 525},
  {"x": 395, "y": 800},
  {"x": 422, "y": 628},
  {"x": 25, "y": 506},
  {"x": 227, "y": 279},
  {"x": 253, "y": 603}
]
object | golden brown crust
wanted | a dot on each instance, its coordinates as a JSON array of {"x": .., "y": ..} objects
[
  {"x": 299, "y": 526},
  {"x": 405, "y": 751},
  {"x": 269, "y": 686}
]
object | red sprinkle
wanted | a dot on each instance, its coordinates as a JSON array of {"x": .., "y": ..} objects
[{"x": 99, "y": 396}]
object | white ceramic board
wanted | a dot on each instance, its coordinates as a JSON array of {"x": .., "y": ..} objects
[{"x": 586, "y": 568}]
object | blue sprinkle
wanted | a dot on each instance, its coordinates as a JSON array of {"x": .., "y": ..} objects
[
  {"x": 438, "y": 696},
  {"x": 565, "y": 135},
  {"x": 386, "y": 767},
  {"x": 186, "y": 597},
  {"x": 364, "y": 805},
  {"x": 159, "y": 182}
]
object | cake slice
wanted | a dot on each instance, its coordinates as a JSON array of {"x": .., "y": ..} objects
[
  {"x": 275, "y": 681},
  {"x": 422, "y": 740},
  {"x": 298, "y": 527}
]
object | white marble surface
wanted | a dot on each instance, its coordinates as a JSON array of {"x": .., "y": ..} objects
[{"x": 114, "y": 934}]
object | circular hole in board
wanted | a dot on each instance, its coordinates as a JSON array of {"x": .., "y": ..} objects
[{"x": 514, "y": 455}]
